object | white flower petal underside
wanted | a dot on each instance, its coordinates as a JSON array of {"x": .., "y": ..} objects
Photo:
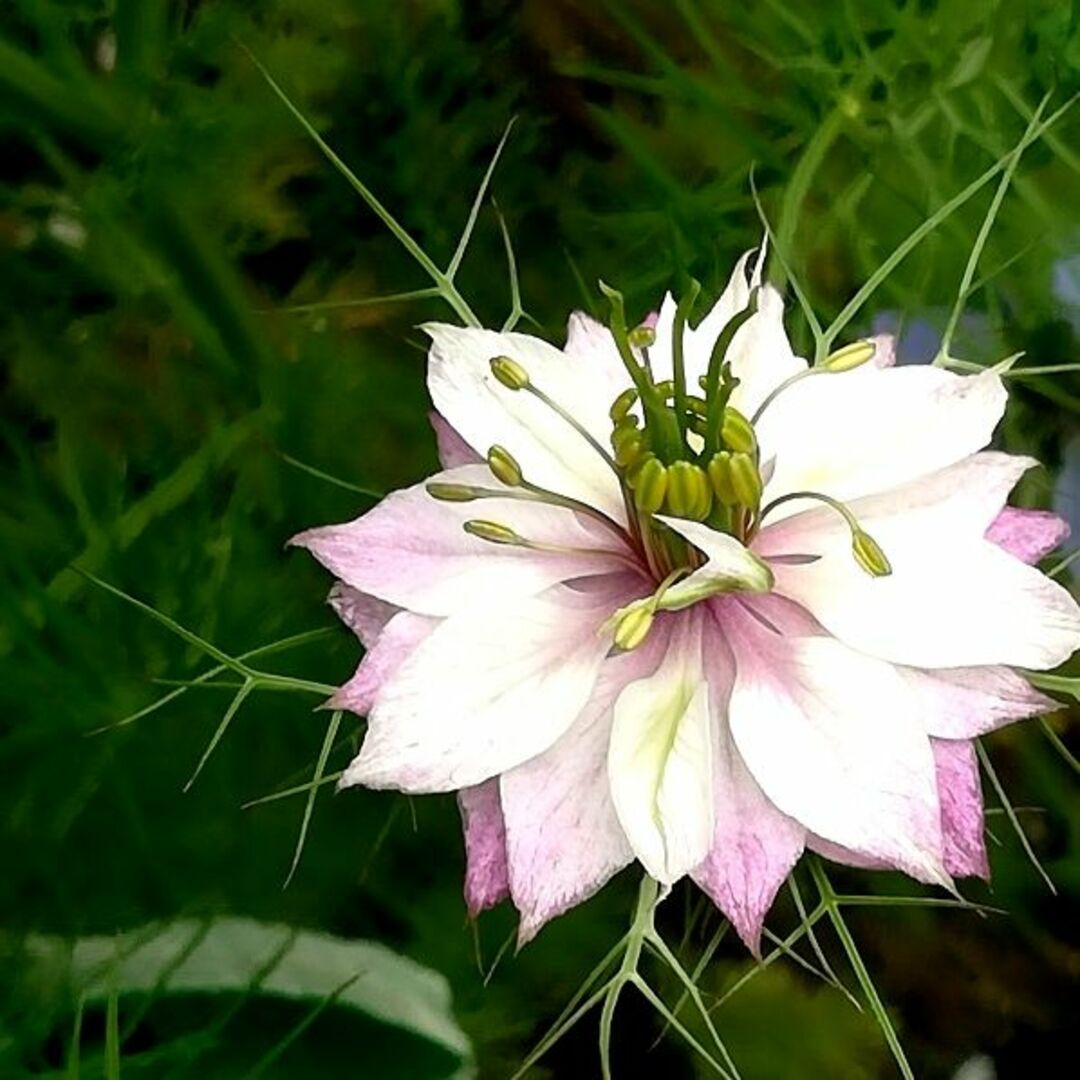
[
  {"x": 564, "y": 840},
  {"x": 830, "y": 737},
  {"x": 484, "y": 412},
  {"x": 729, "y": 566},
  {"x": 660, "y": 759},
  {"x": 490, "y": 688},
  {"x": 412, "y": 551},
  {"x": 954, "y": 599},
  {"x": 869, "y": 430}
]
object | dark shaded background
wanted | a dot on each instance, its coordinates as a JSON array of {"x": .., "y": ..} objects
[{"x": 161, "y": 213}]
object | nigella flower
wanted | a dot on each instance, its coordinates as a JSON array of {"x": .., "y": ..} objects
[{"x": 702, "y": 606}]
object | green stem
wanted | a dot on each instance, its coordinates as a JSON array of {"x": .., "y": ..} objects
[{"x": 678, "y": 357}]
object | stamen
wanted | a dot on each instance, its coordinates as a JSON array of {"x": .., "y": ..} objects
[
  {"x": 865, "y": 549},
  {"x": 495, "y": 533},
  {"x": 514, "y": 377},
  {"x": 631, "y": 624},
  {"x": 688, "y": 492},
  {"x": 846, "y": 359}
]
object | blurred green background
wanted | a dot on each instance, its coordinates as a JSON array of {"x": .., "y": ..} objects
[{"x": 180, "y": 277}]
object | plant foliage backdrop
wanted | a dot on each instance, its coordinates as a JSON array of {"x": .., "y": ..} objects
[{"x": 195, "y": 362}]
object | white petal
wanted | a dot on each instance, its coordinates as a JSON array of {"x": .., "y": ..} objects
[
  {"x": 730, "y": 566},
  {"x": 953, "y": 599},
  {"x": 551, "y": 453},
  {"x": 412, "y": 551},
  {"x": 830, "y": 736},
  {"x": 660, "y": 760},
  {"x": 490, "y": 688},
  {"x": 871, "y": 429},
  {"x": 564, "y": 839}
]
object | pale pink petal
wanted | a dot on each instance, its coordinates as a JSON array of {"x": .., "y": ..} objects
[
  {"x": 872, "y": 429},
  {"x": 364, "y": 615},
  {"x": 1027, "y": 534},
  {"x": 454, "y": 451},
  {"x": 754, "y": 845},
  {"x": 486, "y": 878},
  {"x": 563, "y": 835},
  {"x": 491, "y": 687},
  {"x": 412, "y": 551},
  {"x": 962, "y": 824},
  {"x": 953, "y": 599},
  {"x": 590, "y": 342},
  {"x": 830, "y": 737},
  {"x": 403, "y": 633},
  {"x": 962, "y": 703},
  {"x": 484, "y": 412}
]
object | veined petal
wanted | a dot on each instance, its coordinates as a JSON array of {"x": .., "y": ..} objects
[
  {"x": 397, "y": 642},
  {"x": 965, "y": 702},
  {"x": 660, "y": 759},
  {"x": 872, "y": 429},
  {"x": 366, "y": 616},
  {"x": 830, "y": 737},
  {"x": 551, "y": 453},
  {"x": 1028, "y": 534},
  {"x": 962, "y": 824},
  {"x": 730, "y": 567},
  {"x": 953, "y": 598},
  {"x": 490, "y": 688},
  {"x": 564, "y": 840},
  {"x": 412, "y": 551},
  {"x": 486, "y": 877},
  {"x": 754, "y": 845},
  {"x": 454, "y": 451}
]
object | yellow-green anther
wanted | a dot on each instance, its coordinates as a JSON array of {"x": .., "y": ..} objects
[
  {"x": 633, "y": 626},
  {"x": 650, "y": 485},
  {"x": 850, "y": 356},
  {"x": 737, "y": 432},
  {"x": 623, "y": 436},
  {"x": 453, "y": 492},
  {"x": 492, "y": 531},
  {"x": 868, "y": 554},
  {"x": 745, "y": 479},
  {"x": 634, "y": 471},
  {"x": 665, "y": 389},
  {"x": 509, "y": 372},
  {"x": 698, "y": 406},
  {"x": 622, "y": 405},
  {"x": 504, "y": 466},
  {"x": 720, "y": 477},
  {"x": 688, "y": 492},
  {"x": 642, "y": 337}
]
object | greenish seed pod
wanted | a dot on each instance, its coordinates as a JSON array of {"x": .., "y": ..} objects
[
  {"x": 737, "y": 432},
  {"x": 622, "y": 405},
  {"x": 720, "y": 477},
  {"x": 650, "y": 485}
]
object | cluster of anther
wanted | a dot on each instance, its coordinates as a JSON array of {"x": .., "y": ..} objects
[{"x": 674, "y": 453}]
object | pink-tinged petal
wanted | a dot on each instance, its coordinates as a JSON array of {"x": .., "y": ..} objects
[
  {"x": 590, "y": 342},
  {"x": 1027, "y": 534},
  {"x": 366, "y": 616},
  {"x": 454, "y": 451},
  {"x": 403, "y": 633},
  {"x": 660, "y": 758},
  {"x": 870, "y": 430},
  {"x": 953, "y": 599},
  {"x": 963, "y": 703},
  {"x": 487, "y": 879},
  {"x": 754, "y": 845},
  {"x": 412, "y": 550},
  {"x": 884, "y": 350},
  {"x": 830, "y": 737},
  {"x": 962, "y": 827},
  {"x": 564, "y": 839},
  {"x": 962, "y": 824},
  {"x": 490, "y": 688},
  {"x": 484, "y": 412}
]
